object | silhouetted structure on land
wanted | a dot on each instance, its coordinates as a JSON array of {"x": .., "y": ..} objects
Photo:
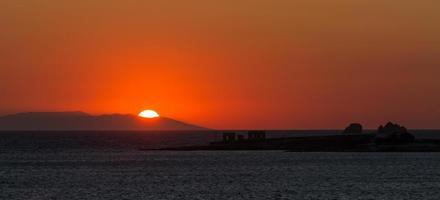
[
  {"x": 257, "y": 141},
  {"x": 256, "y": 135},
  {"x": 354, "y": 128},
  {"x": 228, "y": 137},
  {"x": 252, "y": 135},
  {"x": 393, "y": 134}
]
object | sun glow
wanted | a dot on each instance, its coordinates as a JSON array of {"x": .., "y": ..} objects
[{"x": 148, "y": 114}]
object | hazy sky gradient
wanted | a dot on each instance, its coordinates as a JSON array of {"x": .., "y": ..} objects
[{"x": 226, "y": 64}]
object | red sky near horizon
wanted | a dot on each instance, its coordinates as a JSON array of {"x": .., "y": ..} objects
[{"x": 230, "y": 64}]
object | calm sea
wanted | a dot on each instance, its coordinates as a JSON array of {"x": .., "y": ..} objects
[{"x": 97, "y": 165}]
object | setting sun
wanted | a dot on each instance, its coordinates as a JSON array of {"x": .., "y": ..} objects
[{"x": 148, "y": 114}]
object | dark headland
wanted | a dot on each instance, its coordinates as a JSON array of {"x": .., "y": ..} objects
[
  {"x": 80, "y": 121},
  {"x": 388, "y": 138}
]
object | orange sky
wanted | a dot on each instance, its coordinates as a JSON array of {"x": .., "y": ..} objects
[{"x": 226, "y": 64}]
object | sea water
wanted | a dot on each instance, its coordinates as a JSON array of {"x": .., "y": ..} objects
[{"x": 82, "y": 166}]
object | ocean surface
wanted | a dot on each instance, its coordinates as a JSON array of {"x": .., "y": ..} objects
[{"x": 96, "y": 165}]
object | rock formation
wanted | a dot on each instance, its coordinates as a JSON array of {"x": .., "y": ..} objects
[
  {"x": 393, "y": 134},
  {"x": 353, "y": 128}
]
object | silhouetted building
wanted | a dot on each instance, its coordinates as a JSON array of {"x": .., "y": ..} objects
[
  {"x": 256, "y": 135},
  {"x": 228, "y": 136},
  {"x": 354, "y": 128}
]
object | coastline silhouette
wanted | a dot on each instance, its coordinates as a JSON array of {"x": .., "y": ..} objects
[{"x": 80, "y": 121}]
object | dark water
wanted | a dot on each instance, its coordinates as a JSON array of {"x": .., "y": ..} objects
[{"x": 108, "y": 166}]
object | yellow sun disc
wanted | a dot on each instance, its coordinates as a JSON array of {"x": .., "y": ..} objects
[{"x": 148, "y": 114}]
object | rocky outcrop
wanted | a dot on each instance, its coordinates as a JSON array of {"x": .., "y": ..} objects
[
  {"x": 353, "y": 129},
  {"x": 393, "y": 134}
]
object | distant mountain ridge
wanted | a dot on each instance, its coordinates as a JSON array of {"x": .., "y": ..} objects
[{"x": 81, "y": 121}]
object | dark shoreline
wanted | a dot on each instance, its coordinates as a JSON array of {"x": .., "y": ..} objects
[{"x": 333, "y": 143}]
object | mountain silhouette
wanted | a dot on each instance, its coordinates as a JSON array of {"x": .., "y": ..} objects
[{"x": 77, "y": 121}]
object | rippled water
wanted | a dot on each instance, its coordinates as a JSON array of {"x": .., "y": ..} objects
[
  {"x": 94, "y": 165},
  {"x": 129, "y": 174}
]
